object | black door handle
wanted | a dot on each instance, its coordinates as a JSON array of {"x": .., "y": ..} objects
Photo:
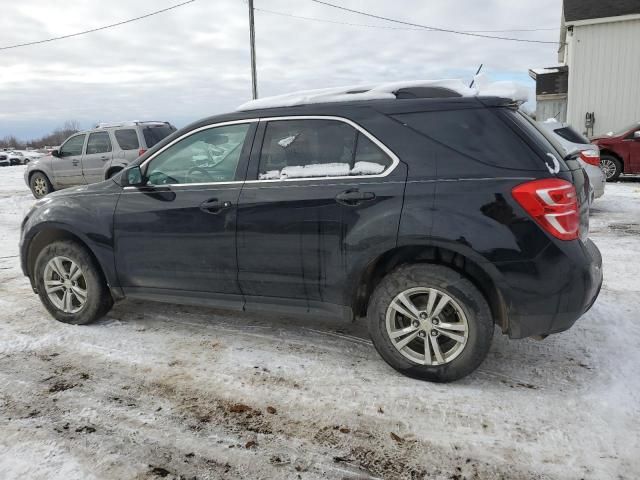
[
  {"x": 354, "y": 197},
  {"x": 214, "y": 206}
]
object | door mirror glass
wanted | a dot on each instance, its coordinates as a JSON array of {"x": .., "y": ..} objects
[{"x": 132, "y": 177}]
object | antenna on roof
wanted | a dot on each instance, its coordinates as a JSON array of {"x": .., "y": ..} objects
[{"x": 474, "y": 77}]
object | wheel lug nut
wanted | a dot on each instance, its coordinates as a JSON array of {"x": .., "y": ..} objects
[
  {"x": 434, "y": 333},
  {"x": 422, "y": 334},
  {"x": 423, "y": 315},
  {"x": 435, "y": 321},
  {"x": 416, "y": 323}
]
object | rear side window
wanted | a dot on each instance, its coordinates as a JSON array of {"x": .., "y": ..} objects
[
  {"x": 154, "y": 133},
  {"x": 318, "y": 148},
  {"x": 127, "y": 139},
  {"x": 571, "y": 135},
  {"x": 98, "y": 142},
  {"x": 478, "y": 134}
]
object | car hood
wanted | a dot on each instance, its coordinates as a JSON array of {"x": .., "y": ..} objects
[{"x": 40, "y": 161}]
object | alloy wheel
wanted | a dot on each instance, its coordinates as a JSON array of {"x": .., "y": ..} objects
[
  {"x": 40, "y": 186},
  {"x": 427, "y": 326},
  {"x": 608, "y": 167},
  {"x": 65, "y": 284}
]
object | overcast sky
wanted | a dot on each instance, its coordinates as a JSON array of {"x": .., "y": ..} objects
[{"x": 193, "y": 61}]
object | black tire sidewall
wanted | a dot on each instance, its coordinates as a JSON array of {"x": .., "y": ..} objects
[
  {"x": 99, "y": 299},
  {"x": 462, "y": 291},
  {"x": 46, "y": 181}
]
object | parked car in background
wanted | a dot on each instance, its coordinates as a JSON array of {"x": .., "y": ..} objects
[
  {"x": 4, "y": 159},
  {"x": 573, "y": 142},
  {"x": 434, "y": 214},
  {"x": 620, "y": 151},
  {"x": 94, "y": 155}
]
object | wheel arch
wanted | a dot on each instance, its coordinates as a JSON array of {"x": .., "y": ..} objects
[
  {"x": 614, "y": 154},
  {"x": 430, "y": 254},
  {"x": 54, "y": 233}
]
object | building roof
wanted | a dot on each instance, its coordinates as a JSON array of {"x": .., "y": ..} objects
[{"x": 575, "y": 10}]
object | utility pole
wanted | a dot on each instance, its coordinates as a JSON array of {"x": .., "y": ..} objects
[{"x": 252, "y": 37}]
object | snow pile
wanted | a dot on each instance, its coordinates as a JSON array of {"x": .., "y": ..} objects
[
  {"x": 323, "y": 170},
  {"x": 385, "y": 91},
  {"x": 367, "y": 168}
]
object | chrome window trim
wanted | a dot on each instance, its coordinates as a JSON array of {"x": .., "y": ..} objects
[{"x": 395, "y": 161}]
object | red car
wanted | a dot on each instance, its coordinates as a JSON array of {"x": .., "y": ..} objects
[{"x": 620, "y": 151}]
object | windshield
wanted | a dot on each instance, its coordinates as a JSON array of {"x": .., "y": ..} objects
[{"x": 624, "y": 130}]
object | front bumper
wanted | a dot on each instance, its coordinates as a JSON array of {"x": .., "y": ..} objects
[{"x": 549, "y": 293}]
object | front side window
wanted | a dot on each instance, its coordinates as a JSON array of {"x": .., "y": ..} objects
[
  {"x": 73, "y": 146},
  {"x": 211, "y": 155},
  {"x": 127, "y": 139},
  {"x": 98, "y": 142},
  {"x": 315, "y": 148}
]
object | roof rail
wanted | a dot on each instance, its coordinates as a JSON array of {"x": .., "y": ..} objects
[{"x": 128, "y": 123}]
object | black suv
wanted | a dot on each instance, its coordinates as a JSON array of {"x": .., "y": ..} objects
[{"x": 435, "y": 215}]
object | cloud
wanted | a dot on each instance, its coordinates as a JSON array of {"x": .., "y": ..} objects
[{"x": 194, "y": 61}]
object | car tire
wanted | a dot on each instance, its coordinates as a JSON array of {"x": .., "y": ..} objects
[
  {"x": 77, "y": 296},
  {"x": 466, "y": 315},
  {"x": 40, "y": 185},
  {"x": 611, "y": 167}
]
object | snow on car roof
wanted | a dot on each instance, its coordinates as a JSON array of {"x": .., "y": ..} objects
[{"x": 483, "y": 86}]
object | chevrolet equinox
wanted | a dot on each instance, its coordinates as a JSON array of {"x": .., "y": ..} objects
[{"x": 435, "y": 214}]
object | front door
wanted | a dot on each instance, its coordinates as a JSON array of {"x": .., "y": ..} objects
[
  {"x": 97, "y": 156},
  {"x": 67, "y": 166},
  {"x": 324, "y": 197},
  {"x": 176, "y": 235}
]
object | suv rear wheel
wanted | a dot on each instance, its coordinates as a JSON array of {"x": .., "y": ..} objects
[
  {"x": 40, "y": 185},
  {"x": 430, "y": 322},
  {"x": 70, "y": 284},
  {"x": 611, "y": 167}
]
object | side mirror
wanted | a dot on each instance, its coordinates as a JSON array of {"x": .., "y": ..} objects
[
  {"x": 55, "y": 153},
  {"x": 132, "y": 177},
  {"x": 636, "y": 135}
]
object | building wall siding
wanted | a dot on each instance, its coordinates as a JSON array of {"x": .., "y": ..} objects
[
  {"x": 604, "y": 75},
  {"x": 551, "y": 108}
]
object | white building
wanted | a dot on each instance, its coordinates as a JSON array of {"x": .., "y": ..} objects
[{"x": 600, "y": 46}]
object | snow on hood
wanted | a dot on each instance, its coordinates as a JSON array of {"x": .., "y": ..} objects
[{"x": 385, "y": 91}]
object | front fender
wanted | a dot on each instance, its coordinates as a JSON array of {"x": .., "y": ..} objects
[{"x": 86, "y": 216}]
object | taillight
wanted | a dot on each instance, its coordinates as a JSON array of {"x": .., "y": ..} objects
[
  {"x": 552, "y": 203},
  {"x": 141, "y": 151},
  {"x": 592, "y": 157}
]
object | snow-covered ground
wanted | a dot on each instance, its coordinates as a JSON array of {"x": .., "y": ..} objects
[{"x": 168, "y": 391}]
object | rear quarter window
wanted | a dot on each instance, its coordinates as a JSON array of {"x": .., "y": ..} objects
[
  {"x": 153, "y": 134},
  {"x": 479, "y": 135},
  {"x": 127, "y": 139}
]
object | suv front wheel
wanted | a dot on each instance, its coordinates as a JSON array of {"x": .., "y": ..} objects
[
  {"x": 40, "y": 185},
  {"x": 70, "y": 284},
  {"x": 429, "y": 322}
]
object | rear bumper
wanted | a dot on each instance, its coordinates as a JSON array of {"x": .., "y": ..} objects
[{"x": 548, "y": 294}]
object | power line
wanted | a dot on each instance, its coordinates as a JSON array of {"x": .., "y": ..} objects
[
  {"x": 99, "y": 28},
  {"x": 458, "y": 32},
  {"x": 387, "y": 27}
]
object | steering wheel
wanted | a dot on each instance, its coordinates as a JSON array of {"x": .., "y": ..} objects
[{"x": 200, "y": 170}]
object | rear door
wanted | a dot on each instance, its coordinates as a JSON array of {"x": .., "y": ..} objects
[
  {"x": 321, "y": 197},
  {"x": 634, "y": 151},
  {"x": 67, "y": 167},
  {"x": 97, "y": 156},
  {"x": 176, "y": 235}
]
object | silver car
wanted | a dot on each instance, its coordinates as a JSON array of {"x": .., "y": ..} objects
[
  {"x": 94, "y": 155},
  {"x": 573, "y": 142}
]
